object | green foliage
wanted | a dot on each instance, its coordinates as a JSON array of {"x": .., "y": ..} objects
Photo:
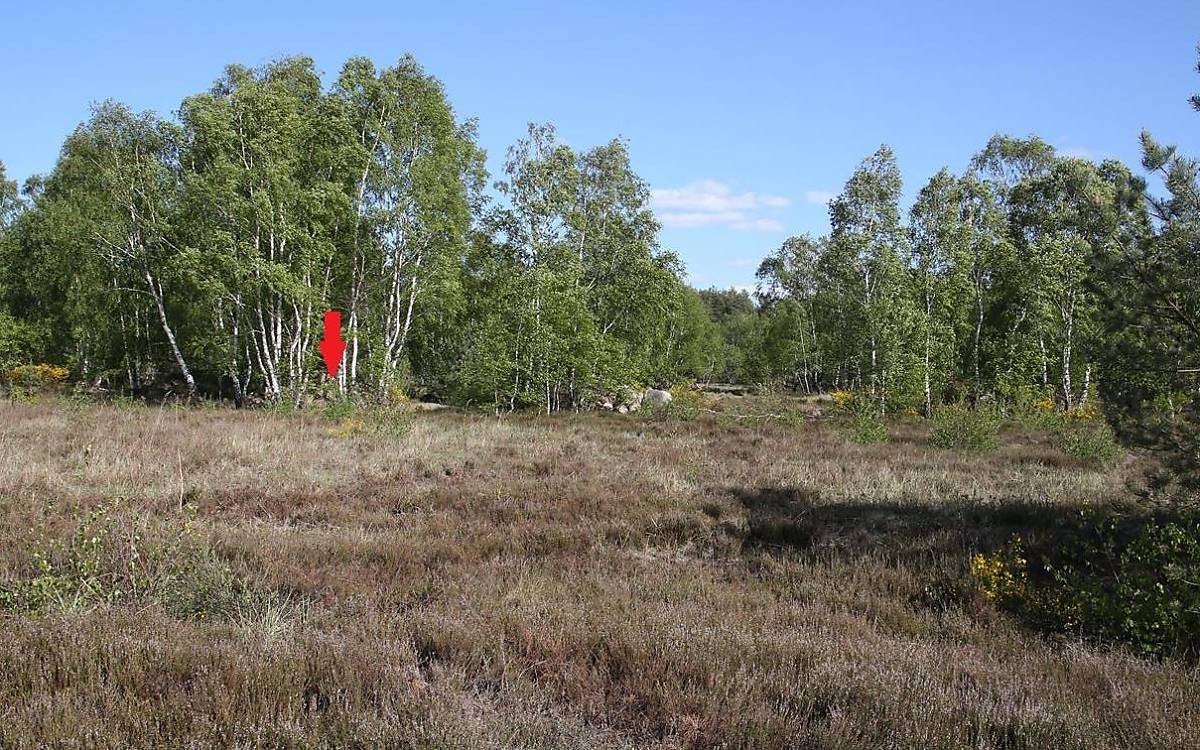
[
  {"x": 1113, "y": 579},
  {"x": 111, "y": 558},
  {"x": 1035, "y": 409},
  {"x": 28, "y": 380},
  {"x": 988, "y": 292},
  {"x": 18, "y": 343},
  {"x": 695, "y": 348},
  {"x": 687, "y": 402},
  {"x": 341, "y": 408},
  {"x": 737, "y": 354},
  {"x": 867, "y": 426},
  {"x": 1151, "y": 315},
  {"x": 1002, "y": 577},
  {"x": 959, "y": 427},
  {"x": 686, "y": 405},
  {"x": 1090, "y": 441},
  {"x": 569, "y": 297}
]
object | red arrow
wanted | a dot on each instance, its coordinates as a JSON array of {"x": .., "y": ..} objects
[{"x": 332, "y": 345}]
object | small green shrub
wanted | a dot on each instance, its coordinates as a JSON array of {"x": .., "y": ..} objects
[
  {"x": 686, "y": 402},
  {"x": 342, "y": 408},
  {"x": 1093, "y": 442},
  {"x": 844, "y": 400},
  {"x": 1040, "y": 419},
  {"x": 868, "y": 426},
  {"x": 959, "y": 428},
  {"x": 1001, "y": 577},
  {"x": 686, "y": 405}
]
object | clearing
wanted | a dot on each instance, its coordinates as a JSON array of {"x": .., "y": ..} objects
[{"x": 253, "y": 579}]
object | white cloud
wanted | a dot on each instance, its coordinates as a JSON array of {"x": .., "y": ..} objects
[
  {"x": 1077, "y": 152},
  {"x": 759, "y": 225},
  {"x": 710, "y": 203},
  {"x": 819, "y": 197}
]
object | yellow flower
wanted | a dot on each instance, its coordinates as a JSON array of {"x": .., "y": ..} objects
[
  {"x": 1087, "y": 413},
  {"x": 37, "y": 376},
  {"x": 843, "y": 399},
  {"x": 1000, "y": 575}
]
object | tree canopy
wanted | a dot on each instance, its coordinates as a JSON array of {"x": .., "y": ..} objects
[{"x": 198, "y": 253}]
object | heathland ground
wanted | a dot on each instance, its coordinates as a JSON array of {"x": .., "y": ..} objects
[{"x": 192, "y": 577}]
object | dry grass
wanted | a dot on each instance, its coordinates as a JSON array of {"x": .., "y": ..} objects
[{"x": 577, "y": 581}]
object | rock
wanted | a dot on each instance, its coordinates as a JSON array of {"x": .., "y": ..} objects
[
  {"x": 628, "y": 399},
  {"x": 655, "y": 397}
]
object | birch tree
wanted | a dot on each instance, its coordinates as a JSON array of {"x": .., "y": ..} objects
[
  {"x": 271, "y": 201},
  {"x": 129, "y": 163},
  {"x": 938, "y": 251},
  {"x": 866, "y": 242}
]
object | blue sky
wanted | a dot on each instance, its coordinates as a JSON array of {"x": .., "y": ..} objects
[{"x": 744, "y": 117}]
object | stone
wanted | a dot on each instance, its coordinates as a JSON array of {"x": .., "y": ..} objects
[
  {"x": 629, "y": 399},
  {"x": 656, "y": 397}
]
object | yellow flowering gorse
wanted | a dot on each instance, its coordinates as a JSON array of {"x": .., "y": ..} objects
[{"x": 1000, "y": 576}]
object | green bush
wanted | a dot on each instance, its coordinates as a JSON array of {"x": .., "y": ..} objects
[
  {"x": 1091, "y": 442},
  {"x": 957, "y": 427},
  {"x": 27, "y": 380},
  {"x": 1125, "y": 580},
  {"x": 867, "y": 426},
  {"x": 17, "y": 342},
  {"x": 687, "y": 402},
  {"x": 1041, "y": 419}
]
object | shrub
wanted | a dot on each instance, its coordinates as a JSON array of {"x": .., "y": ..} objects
[
  {"x": 40, "y": 378},
  {"x": 1001, "y": 576},
  {"x": 1085, "y": 413},
  {"x": 340, "y": 409},
  {"x": 17, "y": 342},
  {"x": 112, "y": 558},
  {"x": 687, "y": 402},
  {"x": 1040, "y": 417},
  {"x": 956, "y": 426},
  {"x": 843, "y": 400},
  {"x": 868, "y": 426},
  {"x": 1132, "y": 581},
  {"x": 1091, "y": 442}
]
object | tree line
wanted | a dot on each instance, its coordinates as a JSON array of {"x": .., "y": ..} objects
[
  {"x": 988, "y": 289},
  {"x": 204, "y": 248},
  {"x": 1030, "y": 280}
]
